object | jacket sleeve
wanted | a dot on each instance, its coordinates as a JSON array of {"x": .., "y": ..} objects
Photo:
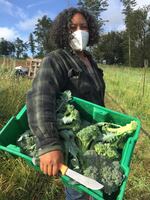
[{"x": 41, "y": 104}]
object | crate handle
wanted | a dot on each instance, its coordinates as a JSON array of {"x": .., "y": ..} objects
[
  {"x": 12, "y": 151},
  {"x": 99, "y": 114}
]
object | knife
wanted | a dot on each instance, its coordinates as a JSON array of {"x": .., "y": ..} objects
[{"x": 86, "y": 181}]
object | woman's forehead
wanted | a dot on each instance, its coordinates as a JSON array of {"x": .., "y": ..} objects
[{"x": 78, "y": 18}]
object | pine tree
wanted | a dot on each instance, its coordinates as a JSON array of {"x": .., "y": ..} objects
[
  {"x": 96, "y": 7},
  {"x": 32, "y": 44},
  {"x": 43, "y": 35},
  {"x": 20, "y": 47},
  {"x": 6, "y": 47},
  {"x": 128, "y": 9}
]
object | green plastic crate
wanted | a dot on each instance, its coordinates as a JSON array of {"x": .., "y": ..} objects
[{"x": 89, "y": 111}]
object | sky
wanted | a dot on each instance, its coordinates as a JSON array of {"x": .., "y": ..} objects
[{"x": 18, "y": 17}]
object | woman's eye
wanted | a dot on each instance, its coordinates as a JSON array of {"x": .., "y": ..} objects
[
  {"x": 84, "y": 28},
  {"x": 80, "y": 27},
  {"x": 73, "y": 28}
]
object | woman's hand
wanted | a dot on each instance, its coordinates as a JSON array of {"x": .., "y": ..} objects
[{"x": 49, "y": 162}]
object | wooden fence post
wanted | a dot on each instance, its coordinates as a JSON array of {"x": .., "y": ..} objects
[{"x": 33, "y": 65}]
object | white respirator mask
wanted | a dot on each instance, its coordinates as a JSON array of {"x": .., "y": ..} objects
[{"x": 80, "y": 40}]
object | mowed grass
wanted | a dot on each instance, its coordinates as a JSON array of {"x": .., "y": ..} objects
[{"x": 125, "y": 85}]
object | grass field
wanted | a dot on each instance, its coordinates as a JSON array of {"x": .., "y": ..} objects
[{"x": 127, "y": 90}]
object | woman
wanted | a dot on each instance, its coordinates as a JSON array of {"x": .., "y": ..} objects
[{"x": 70, "y": 67}]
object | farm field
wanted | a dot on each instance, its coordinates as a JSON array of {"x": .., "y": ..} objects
[{"x": 127, "y": 90}]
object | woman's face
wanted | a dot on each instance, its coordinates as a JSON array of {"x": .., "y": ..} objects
[{"x": 78, "y": 22}]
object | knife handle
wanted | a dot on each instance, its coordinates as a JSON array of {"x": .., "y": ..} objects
[{"x": 63, "y": 168}]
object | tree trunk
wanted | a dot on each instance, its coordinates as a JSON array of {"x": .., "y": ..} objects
[{"x": 129, "y": 50}]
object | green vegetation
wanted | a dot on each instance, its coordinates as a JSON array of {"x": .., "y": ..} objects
[
  {"x": 106, "y": 150},
  {"x": 117, "y": 136},
  {"x": 106, "y": 171},
  {"x": 69, "y": 119},
  {"x": 87, "y": 135},
  {"x": 129, "y": 91},
  {"x": 99, "y": 157},
  {"x": 12, "y": 92},
  {"x": 130, "y": 88}
]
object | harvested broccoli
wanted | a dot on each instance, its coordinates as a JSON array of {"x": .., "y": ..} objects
[
  {"x": 118, "y": 136},
  {"x": 27, "y": 143},
  {"x": 92, "y": 172},
  {"x": 111, "y": 176},
  {"x": 62, "y": 100},
  {"x": 75, "y": 165},
  {"x": 90, "y": 157},
  {"x": 127, "y": 129},
  {"x": 91, "y": 164},
  {"x": 84, "y": 123},
  {"x": 68, "y": 141},
  {"x": 102, "y": 169},
  {"x": 87, "y": 135},
  {"x": 70, "y": 119},
  {"x": 105, "y": 149}
]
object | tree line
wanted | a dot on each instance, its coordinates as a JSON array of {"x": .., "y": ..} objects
[{"x": 128, "y": 47}]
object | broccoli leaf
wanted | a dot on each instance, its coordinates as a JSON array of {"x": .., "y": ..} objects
[{"x": 70, "y": 119}]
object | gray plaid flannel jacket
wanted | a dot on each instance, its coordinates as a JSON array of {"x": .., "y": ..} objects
[{"x": 60, "y": 70}]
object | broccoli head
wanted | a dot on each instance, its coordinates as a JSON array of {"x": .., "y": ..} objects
[
  {"x": 92, "y": 172},
  {"x": 87, "y": 135},
  {"x": 104, "y": 170},
  {"x": 111, "y": 176},
  {"x": 105, "y": 149},
  {"x": 90, "y": 157}
]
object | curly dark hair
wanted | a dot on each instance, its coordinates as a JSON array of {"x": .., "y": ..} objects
[{"x": 60, "y": 30}]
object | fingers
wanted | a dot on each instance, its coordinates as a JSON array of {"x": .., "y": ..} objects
[
  {"x": 50, "y": 169},
  {"x": 44, "y": 168},
  {"x": 49, "y": 162},
  {"x": 55, "y": 169}
]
